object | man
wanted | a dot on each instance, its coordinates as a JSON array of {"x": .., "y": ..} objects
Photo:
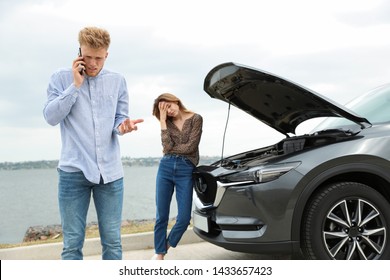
[{"x": 91, "y": 105}]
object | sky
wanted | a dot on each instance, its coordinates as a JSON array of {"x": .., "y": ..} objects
[{"x": 339, "y": 49}]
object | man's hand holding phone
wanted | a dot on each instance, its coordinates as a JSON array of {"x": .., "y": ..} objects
[{"x": 78, "y": 70}]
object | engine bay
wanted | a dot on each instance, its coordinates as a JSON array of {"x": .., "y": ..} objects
[{"x": 284, "y": 147}]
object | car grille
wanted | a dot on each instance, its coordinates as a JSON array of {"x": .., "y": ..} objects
[{"x": 205, "y": 187}]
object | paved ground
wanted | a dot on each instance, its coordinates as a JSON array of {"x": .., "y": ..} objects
[
  {"x": 137, "y": 247},
  {"x": 195, "y": 251}
]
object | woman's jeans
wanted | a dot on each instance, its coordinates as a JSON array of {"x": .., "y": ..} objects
[
  {"x": 174, "y": 173},
  {"x": 74, "y": 194}
]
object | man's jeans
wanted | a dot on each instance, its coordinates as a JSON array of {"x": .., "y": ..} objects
[
  {"x": 174, "y": 173},
  {"x": 74, "y": 195}
]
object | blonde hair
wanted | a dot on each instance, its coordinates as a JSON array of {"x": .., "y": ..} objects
[
  {"x": 94, "y": 37},
  {"x": 167, "y": 97}
]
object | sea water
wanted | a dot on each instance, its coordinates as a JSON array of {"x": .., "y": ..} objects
[{"x": 28, "y": 197}]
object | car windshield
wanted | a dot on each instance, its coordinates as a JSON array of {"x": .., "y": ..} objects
[{"x": 374, "y": 106}]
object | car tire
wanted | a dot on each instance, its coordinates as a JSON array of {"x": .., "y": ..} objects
[{"x": 346, "y": 220}]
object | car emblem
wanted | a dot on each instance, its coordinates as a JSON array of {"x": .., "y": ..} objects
[{"x": 200, "y": 186}]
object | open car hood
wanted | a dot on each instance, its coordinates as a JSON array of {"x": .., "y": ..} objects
[{"x": 277, "y": 102}]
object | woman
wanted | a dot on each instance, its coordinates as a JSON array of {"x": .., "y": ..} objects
[{"x": 181, "y": 130}]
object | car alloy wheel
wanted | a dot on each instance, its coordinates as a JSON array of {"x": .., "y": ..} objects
[{"x": 346, "y": 221}]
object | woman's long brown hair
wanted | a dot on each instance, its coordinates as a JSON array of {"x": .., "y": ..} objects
[{"x": 168, "y": 97}]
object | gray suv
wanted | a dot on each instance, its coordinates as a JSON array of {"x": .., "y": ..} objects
[{"x": 323, "y": 195}]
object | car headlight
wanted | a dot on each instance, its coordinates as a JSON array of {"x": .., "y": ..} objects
[{"x": 262, "y": 174}]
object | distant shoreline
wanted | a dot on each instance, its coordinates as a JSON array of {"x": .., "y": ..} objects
[{"x": 127, "y": 161}]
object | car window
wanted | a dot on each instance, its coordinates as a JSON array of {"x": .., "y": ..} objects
[{"x": 374, "y": 106}]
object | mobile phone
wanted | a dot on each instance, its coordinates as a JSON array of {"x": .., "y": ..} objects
[{"x": 80, "y": 55}]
